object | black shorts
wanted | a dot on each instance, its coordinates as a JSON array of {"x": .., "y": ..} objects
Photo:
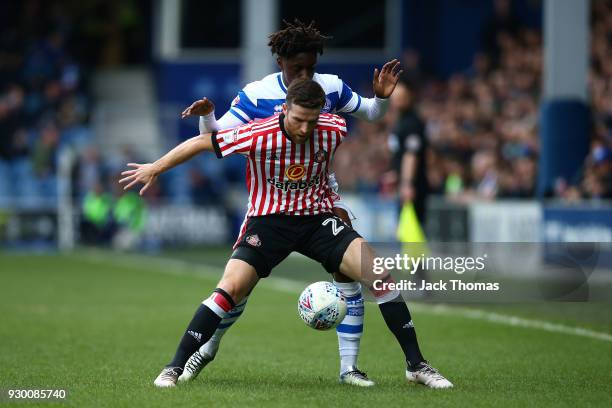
[{"x": 269, "y": 239}]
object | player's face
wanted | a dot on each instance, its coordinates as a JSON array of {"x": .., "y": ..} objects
[
  {"x": 300, "y": 122},
  {"x": 300, "y": 66}
]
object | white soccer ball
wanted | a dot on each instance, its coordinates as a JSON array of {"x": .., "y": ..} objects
[{"x": 322, "y": 306}]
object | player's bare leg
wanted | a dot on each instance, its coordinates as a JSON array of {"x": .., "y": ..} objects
[
  {"x": 237, "y": 282},
  {"x": 357, "y": 264},
  {"x": 348, "y": 343}
]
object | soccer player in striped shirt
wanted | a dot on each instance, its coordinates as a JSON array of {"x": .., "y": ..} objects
[
  {"x": 297, "y": 46},
  {"x": 289, "y": 157}
]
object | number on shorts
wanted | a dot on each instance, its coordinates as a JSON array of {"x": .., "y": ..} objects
[{"x": 335, "y": 229}]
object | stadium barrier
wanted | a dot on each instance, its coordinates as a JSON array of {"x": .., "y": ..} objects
[
  {"x": 376, "y": 219},
  {"x": 577, "y": 223}
]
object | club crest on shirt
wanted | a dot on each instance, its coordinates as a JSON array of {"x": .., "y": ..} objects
[
  {"x": 295, "y": 172},
  {"x": 253, "y": 240},
  {"x": 320, "y": 156},
  {"x": 327, "y": 107}
]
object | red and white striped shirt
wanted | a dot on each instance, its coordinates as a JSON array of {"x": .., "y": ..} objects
[{"x": 284, "y": 177}]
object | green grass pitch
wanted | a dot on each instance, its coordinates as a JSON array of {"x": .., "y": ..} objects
[{"x": 102, "y": 325}]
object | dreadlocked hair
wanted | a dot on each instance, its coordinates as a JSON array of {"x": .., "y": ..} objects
[{"x": 296, "y": 38}]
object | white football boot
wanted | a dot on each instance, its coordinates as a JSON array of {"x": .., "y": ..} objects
[
  {"x": 428, "y": 376},
  {"x": 354, "y": 376},
  {"x": 168, "y": 377},
  {"x": 194, "y": 365}
]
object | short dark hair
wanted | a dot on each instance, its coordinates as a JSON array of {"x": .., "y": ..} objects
[
  {"x": 295, "y": 38},
  {"x": 305, "y": 93}
]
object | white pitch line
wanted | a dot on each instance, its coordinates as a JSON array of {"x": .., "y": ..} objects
[
  {"x": 515, "y": 321},
  {"x": 183, "y": 268}
]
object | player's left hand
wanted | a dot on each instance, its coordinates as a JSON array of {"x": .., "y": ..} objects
[
  {"x": 407, "y": 193},
  {"x": 143, "y": 173},
  {"x": 201, "y": 107},
  {"x": 385, "y": 80}
]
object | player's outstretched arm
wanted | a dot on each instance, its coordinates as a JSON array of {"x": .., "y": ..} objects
[{"x": 147, "y": 173}]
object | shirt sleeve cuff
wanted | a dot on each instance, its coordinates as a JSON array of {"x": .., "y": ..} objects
[
  {"x": 213, "y": 138},
  {"x": 381, "y": 101},
  {"x": 210, "y": 117}
]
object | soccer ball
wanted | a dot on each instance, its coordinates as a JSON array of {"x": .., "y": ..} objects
[{"x": 322, "y": 306}]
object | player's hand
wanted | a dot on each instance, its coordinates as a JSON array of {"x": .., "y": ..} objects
[
  {"x": 343, "y": 215},
  {"x": 142, "y": 173},
  {"x": 407, "y": 193},
  {"x": 200, "y": 107},
  {"x": 385, "y": 80}
]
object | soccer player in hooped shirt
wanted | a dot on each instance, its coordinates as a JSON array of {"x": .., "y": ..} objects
[
  {"x": 288, "y": 159},
  {"x": 297, "y": 47}
]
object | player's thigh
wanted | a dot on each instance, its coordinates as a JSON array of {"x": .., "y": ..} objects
[
  {"x": 357, "y": 262},
  {"x": 239, "y": 278},
  {"x": 326, "y": 237}
]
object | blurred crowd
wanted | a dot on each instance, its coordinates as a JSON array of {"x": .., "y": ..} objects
[
  {"x": 44, "y": 102},
  {"x": 47, "y": 49},
  {"x": 596, "y": 178},
  {"x": 482, "y": 124}
]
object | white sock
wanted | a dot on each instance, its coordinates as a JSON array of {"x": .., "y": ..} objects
[
  {"x": 212, "y": 346},
  {"x": 351, "y": 328}
]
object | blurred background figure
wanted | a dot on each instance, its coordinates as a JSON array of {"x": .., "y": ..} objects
[{"x": 408, "y": 144}]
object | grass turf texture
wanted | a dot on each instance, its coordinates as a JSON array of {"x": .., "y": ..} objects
[{"x": 102, "y": 328}]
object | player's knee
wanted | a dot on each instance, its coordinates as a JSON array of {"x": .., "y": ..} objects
[
  {"x": 235, "y": 290},
  {"x": 238, "y": 280}
]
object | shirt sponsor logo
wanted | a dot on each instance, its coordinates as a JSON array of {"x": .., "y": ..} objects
[
  {"x": 294, "y": 185},
  {"x": 295, "y": 172}
]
